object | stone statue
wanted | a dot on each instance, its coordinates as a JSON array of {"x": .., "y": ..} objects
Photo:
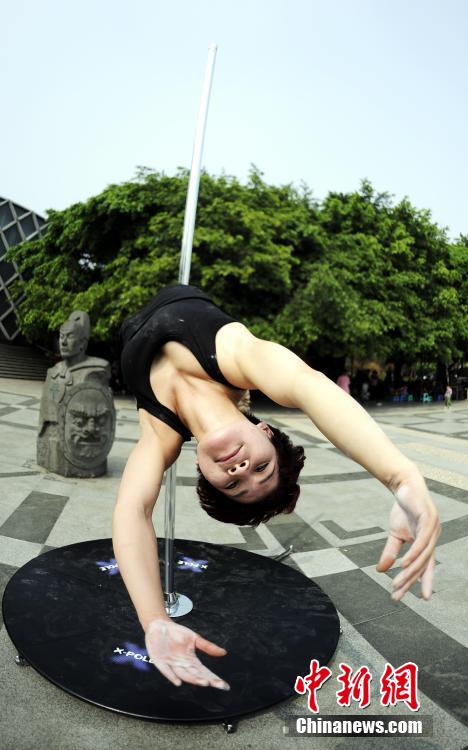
[
  {"x": 77, "y": 415},
  {"x": 87, "y": 426}
]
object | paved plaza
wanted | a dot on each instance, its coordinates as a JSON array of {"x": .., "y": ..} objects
[{"x": 337, "y": 531}]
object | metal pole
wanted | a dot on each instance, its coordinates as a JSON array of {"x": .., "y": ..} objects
[
  {"x": 194, "y": 181},
  {"x": 169, "y": 530},
  {"x": 178, "y": 604}
]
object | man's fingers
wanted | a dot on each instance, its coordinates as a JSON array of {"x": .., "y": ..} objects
[
  {"x": 218, "y": 682},
  {"x": 415, "y": 570},
  {"x": 389, "y": 553},
  {"x": 424, "y": 570},
  {"x": 213, "y": 679},
  {"x": 418, "y": 566},
  {"x": 168, "y": 672},
  {"x": 196, "y": 673},
  {"x": 426, "y": 580},
  {"x": 423, "y": 537},
  {"x": 400, "y": 590},
  {"x": 398, "y": 594},
  {"x": 209, "y": 647},
  {"x": 190, "y": 675}
]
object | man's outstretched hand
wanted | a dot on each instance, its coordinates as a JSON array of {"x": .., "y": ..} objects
[
  {"x": 413, "y": 518},
  {"x": 171, "y": 648}
]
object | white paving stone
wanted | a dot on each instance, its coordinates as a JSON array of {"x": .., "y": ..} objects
[
  {"x": 17, "y": 552},
  {"x": 22, "y": 417},
  {"x": 322, "y": 562}
]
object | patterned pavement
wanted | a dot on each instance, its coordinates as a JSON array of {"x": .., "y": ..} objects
[{"x": 337, "y": 531}]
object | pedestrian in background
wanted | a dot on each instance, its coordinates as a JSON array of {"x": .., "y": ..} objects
[
  {"x": 344, "y": 381},
  {"x": 448, "y": 396}
]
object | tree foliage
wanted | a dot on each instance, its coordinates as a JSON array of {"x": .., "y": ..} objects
[
  {"x": 385, "y": 283},
  {"x": 353, "y": 274}
]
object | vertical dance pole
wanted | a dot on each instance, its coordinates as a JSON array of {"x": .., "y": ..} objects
[{"x": 178, "y": 604}]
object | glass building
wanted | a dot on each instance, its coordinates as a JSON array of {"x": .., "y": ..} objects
[{"x": 16, "y": 225}]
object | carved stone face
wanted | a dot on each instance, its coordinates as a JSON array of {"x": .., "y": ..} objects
[
  {"x": 72, "y": 343},
  {"x": 89, "y": 427}
]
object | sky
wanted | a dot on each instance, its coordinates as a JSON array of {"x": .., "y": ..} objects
[{"x": 321, "y": 92}]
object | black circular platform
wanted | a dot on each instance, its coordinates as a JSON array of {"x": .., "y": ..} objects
[{"x": 69, "y": 615}]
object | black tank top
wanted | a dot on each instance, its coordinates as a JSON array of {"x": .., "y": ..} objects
[{"x": 178, "y": 312}]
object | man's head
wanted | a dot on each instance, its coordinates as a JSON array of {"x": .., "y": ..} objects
[
  {"x": 248, "y": 473},
  {"x": 74, "y": 336}
]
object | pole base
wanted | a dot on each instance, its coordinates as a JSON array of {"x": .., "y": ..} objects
[
  {"x": 177, "y": 605},
  {"x": 69, "y": 616}
]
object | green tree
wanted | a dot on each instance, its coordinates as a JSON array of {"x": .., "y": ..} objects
[
  {"x": 385, "y": 283},
  {"x": 354, "y": 275},
  {"x": 110, "y": 254}
]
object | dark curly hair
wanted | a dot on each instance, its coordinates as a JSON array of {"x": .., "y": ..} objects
[{"x": 282, "y": 500}]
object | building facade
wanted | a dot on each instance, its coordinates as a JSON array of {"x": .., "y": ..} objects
[{"x": 17, "y": 224}]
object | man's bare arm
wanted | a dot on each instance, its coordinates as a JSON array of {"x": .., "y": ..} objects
[
  {"x": 133, "y": 532},
  {"x": 286, "y": 379},
  {"x": 171, "y": 646}
]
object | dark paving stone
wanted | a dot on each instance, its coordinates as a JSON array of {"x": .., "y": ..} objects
[
  {"x": 455, "y": 493},
  {"x": 186, "y": 481},
  {"x": 326, "y": 478},
  {"x": 35, "y": 518},
  {"x": 341, "y": 533},
  {"x": 6, "y": 572},
  {"x": 365, "y": 553},
  {"x": 10, "y": 393},
  {"x": 300, "y": 535},
  {"x": 368, "y": 553},
  {"x": 33, "y": 401},
  {"x": 10, "y": 474},
  {"x": 252, "y": 539},
  {"x": 434, "y": 432},
  {"x": 299, "y": 435},
  {"x": 20, "y": 426},
  {"x": 295, "y": 439},
  {"x": 401, "y": 635},
  {"x": 125, "y": 440},
  {"x": 453, "y": 530},
  {"x": 7, "y": 410},
  {"x": 442, "y": 661},
  {"x": 386, "y": 418},
  {"x": 256, "y": 543},
  {"x": 357, "y": 596}
]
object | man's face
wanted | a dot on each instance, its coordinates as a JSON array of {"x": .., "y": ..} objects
[
  {"x": 87, "y": 426},
  {"x": 240, "y": 460},
  {"x": 71, "y": 341}
]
